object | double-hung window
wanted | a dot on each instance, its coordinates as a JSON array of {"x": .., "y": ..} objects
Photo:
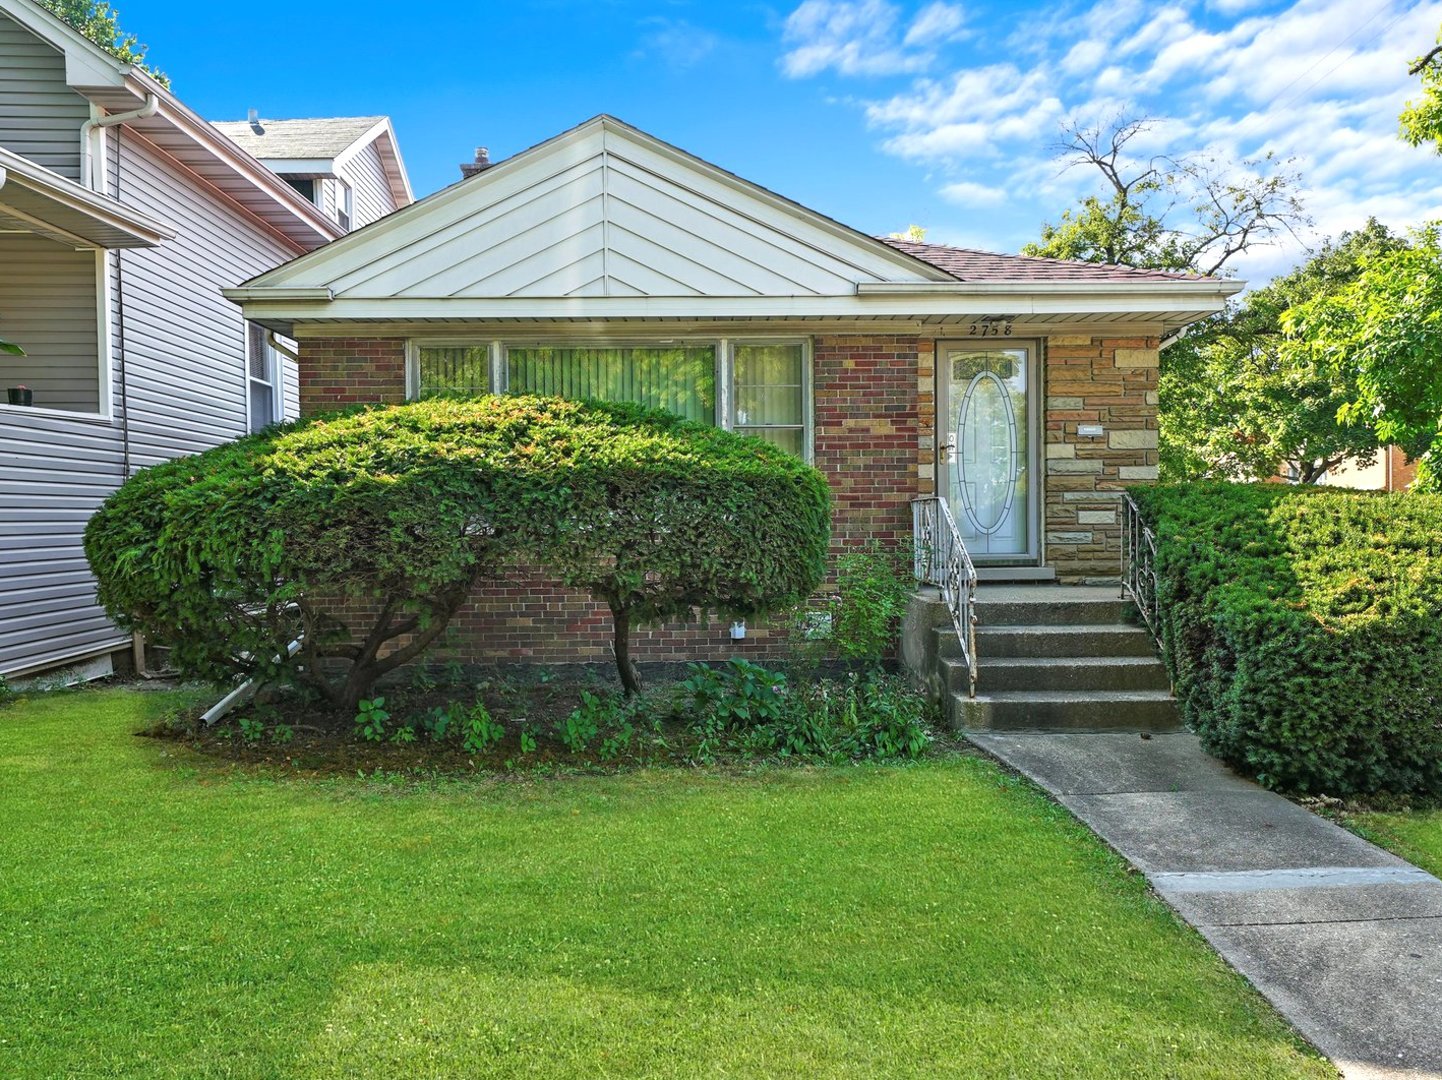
[
  {"x": 760, "y": 388},
  {"x": 263, "y": 378}
]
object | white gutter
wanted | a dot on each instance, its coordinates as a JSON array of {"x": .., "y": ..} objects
[
  {"x": 1182, "y": 286},
  {"x": 88, "y": 163},
  {"x": 244, "y": 293}
]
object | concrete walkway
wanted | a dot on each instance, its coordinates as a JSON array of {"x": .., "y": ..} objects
[{"x": 1345, "y": 939}]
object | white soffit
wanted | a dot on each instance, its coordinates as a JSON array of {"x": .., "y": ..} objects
[{"x": 601, "y": 211}]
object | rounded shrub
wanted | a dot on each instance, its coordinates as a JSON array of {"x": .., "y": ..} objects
[
  {"x": 359, "y": 535},
  {"x": 1303, "y": 630}
]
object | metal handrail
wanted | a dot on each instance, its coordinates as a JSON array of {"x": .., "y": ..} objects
[
  {"x": 1139, "y": 566},
  {"x": 941, "y": 559}
]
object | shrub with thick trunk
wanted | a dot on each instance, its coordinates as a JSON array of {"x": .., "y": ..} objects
[
  {"x": 359, "y": 535},
  {"x": 1303, "y": 630},
  {"x": 669, "y": 518}
]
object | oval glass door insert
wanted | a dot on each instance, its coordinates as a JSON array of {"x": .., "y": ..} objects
[{"x": 987, "y": 445}]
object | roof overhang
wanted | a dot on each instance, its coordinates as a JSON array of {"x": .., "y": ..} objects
[
  {"x": 1163, "y": 305},
  {"x": 43, "y": 202},
  {"x": 118, "y": 87},
  {"x": 300, "y": 166}
]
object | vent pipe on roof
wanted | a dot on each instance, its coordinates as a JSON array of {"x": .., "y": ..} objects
[
  {"x": 253, "y": 116},
  {"x": 481, "y": 164}
]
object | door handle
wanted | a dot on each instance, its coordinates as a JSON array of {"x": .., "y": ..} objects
[{"x": 946, "y": 451}]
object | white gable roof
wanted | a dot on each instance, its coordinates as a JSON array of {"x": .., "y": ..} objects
[{"x": 603, "y": 210}]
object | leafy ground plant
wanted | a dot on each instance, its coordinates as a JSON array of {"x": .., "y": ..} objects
[{"x": 937, "y": 920}]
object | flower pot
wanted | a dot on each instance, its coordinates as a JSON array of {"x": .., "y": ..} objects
[{"x": 20, "y": 395}]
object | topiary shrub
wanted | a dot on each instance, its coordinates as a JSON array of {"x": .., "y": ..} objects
[
  {"x": 666, "y": 518},
  {"x": 1303, "y": 630},
  {"x": 361, "y": 534}
]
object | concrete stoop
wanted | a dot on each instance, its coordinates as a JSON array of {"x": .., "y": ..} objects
[{"x": 1051, "y": 658}]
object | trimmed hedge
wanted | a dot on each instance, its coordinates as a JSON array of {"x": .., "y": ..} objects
[
  {"x": 387, "y": 517},
  {"x": 1303, "y": 631}
]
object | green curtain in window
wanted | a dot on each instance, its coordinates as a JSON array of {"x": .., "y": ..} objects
[
  {"x": 455, "y": 372},
  {"x": 770, "y": 394},
  {"x": 681, "y": 379}
]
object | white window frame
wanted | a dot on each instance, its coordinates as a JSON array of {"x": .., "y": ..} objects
[
  {"x": 276, "y": 383},
  {"x": 105, "y": 396},
  {"x": 344, "y": 204},
  {"x": 725, "y": 413}
]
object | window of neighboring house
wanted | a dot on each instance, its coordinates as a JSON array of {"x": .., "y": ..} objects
[
  {"x": 344, "y": 204},
  {"x": 765, "y": 385},
  {"x": 303, "y": 184},
  {"x": 263, "y": 378}
]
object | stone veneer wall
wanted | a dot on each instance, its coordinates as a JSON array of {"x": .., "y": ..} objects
[
  {"x": 873, "y": 415},
  {"x": 1111, "y": 382}
]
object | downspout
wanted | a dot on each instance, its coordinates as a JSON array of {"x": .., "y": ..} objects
[
  {"x": 94, "y": 124},
  {"x": 94, "y": 179},
  {"x": 284, "y": 350}
]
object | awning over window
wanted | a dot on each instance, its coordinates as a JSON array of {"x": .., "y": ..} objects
[{"x": 35, "y": 200}]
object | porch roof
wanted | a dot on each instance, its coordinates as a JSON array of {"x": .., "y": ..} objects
[{"x": 36, "y": 200}]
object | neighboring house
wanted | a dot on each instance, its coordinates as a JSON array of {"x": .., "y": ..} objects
[
  {"x": 1023, "y": 389},
  {"x": 122, "y": 213},
  {"x": 1391, "y": 471}
]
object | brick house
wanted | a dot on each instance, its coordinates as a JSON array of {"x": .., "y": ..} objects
[{"x": 607, "y": 263}]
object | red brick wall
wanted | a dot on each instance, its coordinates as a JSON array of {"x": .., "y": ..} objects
[
  {"x": 872, "y": 439},
  {"x": 337, "y": 372}
]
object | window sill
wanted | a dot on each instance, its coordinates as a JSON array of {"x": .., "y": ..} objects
[{"x": 61, "y": 414}]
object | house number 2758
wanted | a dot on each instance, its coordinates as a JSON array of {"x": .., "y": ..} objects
[{"x": 989, "y": 329}]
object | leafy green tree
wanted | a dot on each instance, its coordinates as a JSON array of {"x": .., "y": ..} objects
[
  {"x": 1237, "y": 403},
  {"x": 99, "y": 22},
  {"x": 1384, "y": 330},
  {"x": 1186, "y": 213},
  {"x": 1421, "y": 120}
]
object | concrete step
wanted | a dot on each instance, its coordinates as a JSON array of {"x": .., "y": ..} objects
[
  {"x": 1066, "y": 710},
  {"x": 1060, "y": 612},
  {"x": 1071, "y": 641},
  {"x": 1062, "y": 673}
]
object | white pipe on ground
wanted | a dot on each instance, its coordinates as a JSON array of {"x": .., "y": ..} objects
[{"x": 241, "y": 693}]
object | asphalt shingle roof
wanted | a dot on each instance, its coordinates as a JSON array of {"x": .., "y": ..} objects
[
  {"x": 967, "y": 264},
  {"x": 323, "y": 137}
]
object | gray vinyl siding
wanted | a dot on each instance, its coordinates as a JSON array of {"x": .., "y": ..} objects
[
  {"x": 54, "y": 472},
  {"x": 185, "y": 344},
  {"x": 185, "y": 378},
  {"x": 373, "y": 199},
  {"x": 48, "y": 306},
  {"x": 40, "y": 116}
]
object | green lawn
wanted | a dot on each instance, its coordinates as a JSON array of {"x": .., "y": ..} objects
[
  {"x": 1414, "y": 835},
  {"x": 161, "y": 916}
]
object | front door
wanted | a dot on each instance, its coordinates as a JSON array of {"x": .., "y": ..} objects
[{"x": 986, "y": 446}]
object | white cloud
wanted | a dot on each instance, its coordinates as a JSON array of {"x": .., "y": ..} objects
[
  {"x": 1318, "y": 81},
  {"x": 968, "y": 193},
  {"x": 675, "y": 42},
  {"x": 866, "y": 37},
  {"x": 937, "y": 22}
]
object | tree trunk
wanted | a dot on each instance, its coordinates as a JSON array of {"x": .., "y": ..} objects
[{"x": 621, "y": 646}]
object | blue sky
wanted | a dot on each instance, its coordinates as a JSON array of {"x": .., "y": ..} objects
[{"x": 876, "y": 112}]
